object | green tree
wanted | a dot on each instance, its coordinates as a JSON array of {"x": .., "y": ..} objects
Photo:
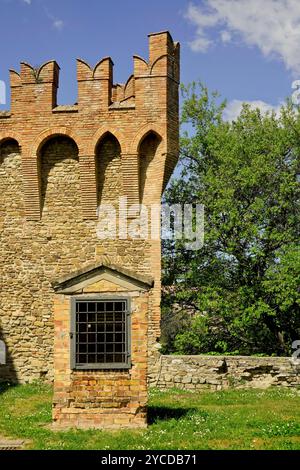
[{"x": 243, "y": 285}]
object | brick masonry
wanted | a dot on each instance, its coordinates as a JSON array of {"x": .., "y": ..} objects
[
  {"x": 221, "y": 372},
  {"x": 102, "y": 398},
  {"x": 57, "y": 163}
]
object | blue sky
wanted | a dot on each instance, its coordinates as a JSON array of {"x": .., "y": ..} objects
[{"x": 246, "y": 52}]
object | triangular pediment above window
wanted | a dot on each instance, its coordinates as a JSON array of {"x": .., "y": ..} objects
[{"x": 102, "y": 277}]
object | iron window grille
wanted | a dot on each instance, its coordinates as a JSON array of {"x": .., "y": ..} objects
[{"x": 100, "y": 336}]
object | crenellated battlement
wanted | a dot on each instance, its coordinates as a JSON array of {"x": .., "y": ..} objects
[
  {"x": 35, "y": 89},
  {"x": 147, "y": 103},
  {"x": 46, "y": 73}
]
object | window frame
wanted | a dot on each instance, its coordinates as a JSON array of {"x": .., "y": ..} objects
[{"x": 100, "y": 366}]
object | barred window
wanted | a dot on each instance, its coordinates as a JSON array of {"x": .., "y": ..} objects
[{"x": 100, "y": 334}]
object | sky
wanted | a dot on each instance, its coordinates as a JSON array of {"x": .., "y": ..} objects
[{"x": 247, "y": 50}]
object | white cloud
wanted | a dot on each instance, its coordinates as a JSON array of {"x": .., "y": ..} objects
[
  {"x": 234, "y": 107},
  {"x": 27, "y": 1},
  {"x": 203, "y": 21},
  {"x": 273, "y": 26},
  {"x": 225, "y": 36},
  {"x": 58, "y": 24},
  {"x": 200, "y": 44}
]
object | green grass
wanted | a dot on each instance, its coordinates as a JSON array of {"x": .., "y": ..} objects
[{"x": 232, "y": 419}]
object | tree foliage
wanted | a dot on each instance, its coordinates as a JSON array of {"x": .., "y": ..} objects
[{"x": 243, "y": 285}]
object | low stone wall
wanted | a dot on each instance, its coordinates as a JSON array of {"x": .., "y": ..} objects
[{"x": 221, "y": 372}]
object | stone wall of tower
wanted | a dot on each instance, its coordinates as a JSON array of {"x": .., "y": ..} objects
[{"x": 57, "y": 163}]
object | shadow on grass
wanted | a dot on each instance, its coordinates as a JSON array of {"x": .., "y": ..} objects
[
  {"x": 4, "y": 386},
  {"x": 164, "y": 413}
]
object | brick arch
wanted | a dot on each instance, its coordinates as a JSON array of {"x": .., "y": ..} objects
[
  {"x": 151, "y": 161},
  {"x": 101, "y": 133},
  {"x": 31, "y": 169},
  {"x": 10, "y": 136},
  {"x": 58, "y": 163},
  {"x": 50, "y": 133},
  {"x": 144, "y": 132}
]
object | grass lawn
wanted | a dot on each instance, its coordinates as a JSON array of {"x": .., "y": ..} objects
[{"x": 232, "y": 419}]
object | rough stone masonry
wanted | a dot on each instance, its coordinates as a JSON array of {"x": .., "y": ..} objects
[
  {"x": 57, "y": 164},
  {"x": 197, "y": 373}
]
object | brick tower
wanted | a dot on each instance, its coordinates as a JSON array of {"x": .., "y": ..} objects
[{"x": 76, "y": 307}]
